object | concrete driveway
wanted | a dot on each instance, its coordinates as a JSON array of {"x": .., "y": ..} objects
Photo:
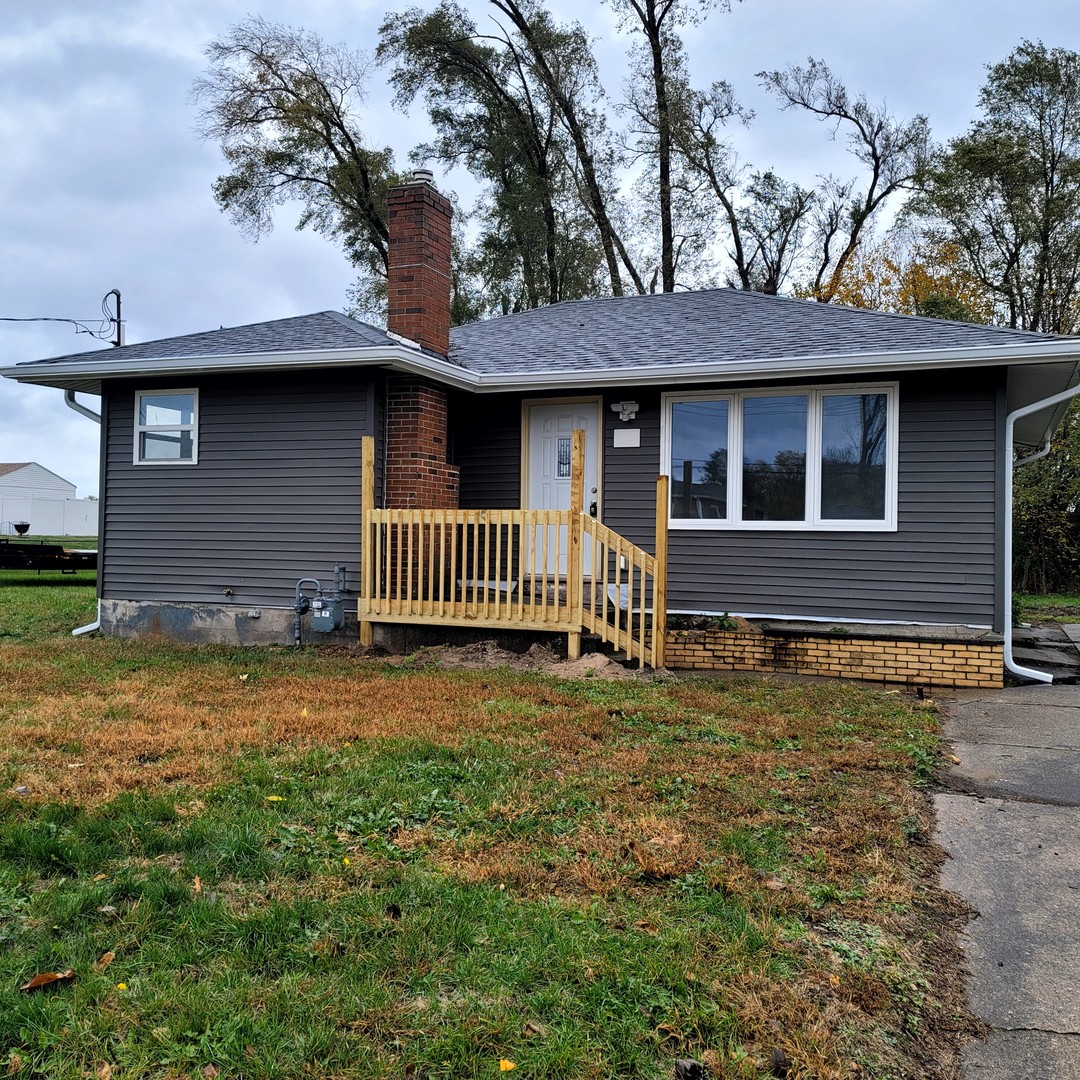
[{"x": 1010, "y": 823}]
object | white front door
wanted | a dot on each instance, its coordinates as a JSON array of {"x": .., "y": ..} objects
[{"x": 550, "y": 435}]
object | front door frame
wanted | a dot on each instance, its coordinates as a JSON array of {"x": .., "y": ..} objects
[{"x": 526, "y": 407}]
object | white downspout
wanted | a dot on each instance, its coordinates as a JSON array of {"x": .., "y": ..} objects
[
  {"x": 1010, "y": 465},
  {"x": 82, "y": 410}
]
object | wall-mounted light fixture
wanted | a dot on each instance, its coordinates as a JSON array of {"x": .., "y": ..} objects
[{"x": 627, "y": 410}]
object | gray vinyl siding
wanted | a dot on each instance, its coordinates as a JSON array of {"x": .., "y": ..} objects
[
  {"x": 939, "y": 566},
  {"x": 485, "y": 437},
  {"x": 275, "y": 495}
]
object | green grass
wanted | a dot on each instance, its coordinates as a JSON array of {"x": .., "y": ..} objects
[
  {"x": 63, "y": 541},
  {"x": 314, "y": 941},
  {"x": 37, "y": 604},
  {"x": 1053, "y": 607},
  {"x": 309, "y": 865}
]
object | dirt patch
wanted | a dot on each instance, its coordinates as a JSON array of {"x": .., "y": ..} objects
[{"x": 481, "y": 655}]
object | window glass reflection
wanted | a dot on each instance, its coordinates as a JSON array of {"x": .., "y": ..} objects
[
  {"x": 853, "y": 454},
  {"x": 774, "y": 458},
  {"x": 699, "y": 459}
]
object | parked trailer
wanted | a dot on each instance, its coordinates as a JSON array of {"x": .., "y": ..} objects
[{"x": 41, "y": 556}]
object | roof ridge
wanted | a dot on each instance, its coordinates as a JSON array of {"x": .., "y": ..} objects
[
  {"x": 349, "y": 322},
  {"x": 831, "y": 305},
  {"x": 754, "y": 297}
]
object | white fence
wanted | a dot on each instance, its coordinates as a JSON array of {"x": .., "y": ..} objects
[{"x": 50, "y": 517}]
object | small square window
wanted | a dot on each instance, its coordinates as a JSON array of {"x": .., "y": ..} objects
[{"x": 166, "y": 427}]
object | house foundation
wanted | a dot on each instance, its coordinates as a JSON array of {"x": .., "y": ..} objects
[
  {"x": 214, "y": 624},
  {"x": 902, "y": 655}
]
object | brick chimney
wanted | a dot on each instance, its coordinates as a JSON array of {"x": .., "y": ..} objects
[
  {"x": 418, "y": 222},
  {"x": 417, "y": 473}
]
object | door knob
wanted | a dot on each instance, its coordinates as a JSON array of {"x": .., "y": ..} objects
[{"x": 592, "y": 508}]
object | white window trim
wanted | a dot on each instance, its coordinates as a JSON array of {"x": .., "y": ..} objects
[
  {"x": 814, "y": 395},
  {"x": 193, "y": 427}
]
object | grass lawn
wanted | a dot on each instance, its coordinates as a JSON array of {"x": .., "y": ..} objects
[
  {"x": 276, "y": 863},
  {"x": 1051, "y": 607}
]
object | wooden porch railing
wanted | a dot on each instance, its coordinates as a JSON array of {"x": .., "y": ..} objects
[{"x": 560, "y": 571}]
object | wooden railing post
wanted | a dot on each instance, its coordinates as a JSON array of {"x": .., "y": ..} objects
[
  {"x": 367, "y": 560},
  {"x": 575, "y": 587},
  {"x": 659, "y": 613}
]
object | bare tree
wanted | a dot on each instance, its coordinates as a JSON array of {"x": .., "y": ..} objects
[
  {"x": 285, "y": 108},
  {"x": 893, "y": 153}
]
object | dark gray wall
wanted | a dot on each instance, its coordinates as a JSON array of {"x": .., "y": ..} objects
[
  {"x": 939, "y": 566},
  {"x": 275, "y": 495},
  {"x": 485, "y": 442}
]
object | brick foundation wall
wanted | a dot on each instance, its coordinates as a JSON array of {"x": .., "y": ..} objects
[{"x": 924, "y": 663}]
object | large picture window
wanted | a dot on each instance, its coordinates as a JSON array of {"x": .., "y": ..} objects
[
  {"x": 811, "y": 458},
  {"x": 166, "y": 427}
]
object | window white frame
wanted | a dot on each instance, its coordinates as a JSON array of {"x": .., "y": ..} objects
[
  {"x": 815, "y": 396},
  {"x": 141, "y": 429}
]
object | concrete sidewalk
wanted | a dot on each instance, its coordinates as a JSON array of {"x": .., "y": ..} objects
[{"x": 1011, "y": 826}]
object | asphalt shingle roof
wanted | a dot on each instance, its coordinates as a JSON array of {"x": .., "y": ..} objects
[
  {"x": 12, "y": 466},
  {"x": 711, "y": 325},
  {"x": 323, "y": 330}
]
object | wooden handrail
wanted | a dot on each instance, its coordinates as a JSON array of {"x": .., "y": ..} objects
[{"x": 502, "y": 569}]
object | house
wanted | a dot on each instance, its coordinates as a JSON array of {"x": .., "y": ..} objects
[
  {"x": 31, "y": 493},
  {"x": 843, "y": 475}
]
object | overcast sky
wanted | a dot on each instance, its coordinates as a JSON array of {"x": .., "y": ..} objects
[{"x": 103, "y": 183}]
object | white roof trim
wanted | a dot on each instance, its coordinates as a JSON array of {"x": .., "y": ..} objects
[{"x": 402, "y": 358}]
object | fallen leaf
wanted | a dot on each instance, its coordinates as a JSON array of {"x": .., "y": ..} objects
[
  {"x": 275, "y": 798},
  {"x": 531, "y": 1029},
  {"x": 197, "y": 885},
  {"x": 244, "y": 677},
  {"x": 303, "y": 712},
  {"x": 102, "y": 877},
  {"x": 505, "y": 1065},
  {"x": 647, "y": 926},
  {"x": 105, "y": 961},
  {"x": 105, "y": 1072},
  {"x": 47, "y": 978},
  {"x": 954, "y": 759},
  {"x": 210, "y": 1070},
  {"x": 107, "y": 909},
  {"x": 834, "y": 980},
  {"x": 689, "y": 1069},
  {"x": 780, "y": 1062}
]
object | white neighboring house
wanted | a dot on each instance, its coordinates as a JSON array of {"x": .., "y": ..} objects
[{"x": 30, "y": 492}]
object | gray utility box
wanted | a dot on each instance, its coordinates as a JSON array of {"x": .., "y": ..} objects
[{"x": 327, "y": 614}]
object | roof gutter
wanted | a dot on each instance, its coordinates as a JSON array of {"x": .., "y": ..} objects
[
  {"x": 411, "y": 361},
  {"x": 1010, "y": 465}
]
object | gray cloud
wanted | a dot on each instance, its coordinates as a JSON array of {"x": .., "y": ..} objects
[{"x": 104, "y": 183}]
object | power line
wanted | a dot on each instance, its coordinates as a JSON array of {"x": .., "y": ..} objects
[{"x": 109, "y": 324}]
